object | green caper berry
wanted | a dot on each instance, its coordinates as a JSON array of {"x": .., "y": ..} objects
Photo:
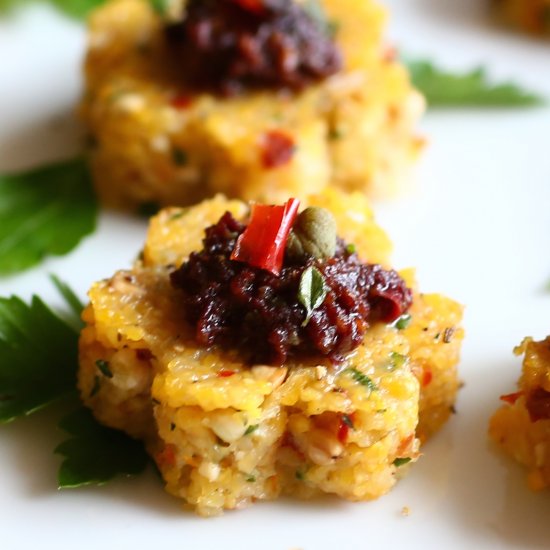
[{"x": 313, "y": 235}]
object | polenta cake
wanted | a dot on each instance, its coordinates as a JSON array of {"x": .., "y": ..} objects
[
  {"x": 270, "y": 351},
  {"x": 530, "y": 15},
  {"x": 255, "y": 99},
  {"x": 521, "y": 426}
]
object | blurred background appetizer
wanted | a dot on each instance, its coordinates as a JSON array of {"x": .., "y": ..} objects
[{"x": 257, "y": 99}]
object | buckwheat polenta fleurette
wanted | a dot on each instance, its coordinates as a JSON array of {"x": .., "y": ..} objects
[
  {"x": 295, "y": 101},
  {"x": 249, "y": 373},
  {"x": 521, "y": 426}
]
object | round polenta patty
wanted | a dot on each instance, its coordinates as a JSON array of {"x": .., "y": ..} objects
[
  {"x": 225, "y": 434},
  {"x": 152, "y": 143},
  {"x": 521, "y": 426}
]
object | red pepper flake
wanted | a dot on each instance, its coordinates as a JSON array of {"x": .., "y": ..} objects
[
  {"x": 511, "y": 398},
  {"x": 262, "y": 244},
  {"x": 389, "y": 54},
  {"x": 226, "y": 373},
  {"x": 166, "y": 457},
  {"x": 182, "y": 102},
  {"x": 346, "y": 424},
  {"x": 427, "y": 377},
  {"x": 277, "y": 149}
]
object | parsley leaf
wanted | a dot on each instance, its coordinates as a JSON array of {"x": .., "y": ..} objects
[
  {"x": 44, "y": 212},
  {"x": 73, "y": 301},
  {"x": 95, "y": 454},
  {"x": 443, "y": 88},
  {"x": 312, "y": 291},
  {"x": 77, "y": 9},
  {"x": 38, "y": 357}
]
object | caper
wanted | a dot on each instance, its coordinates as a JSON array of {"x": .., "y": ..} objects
[{"x": 313, "y": 235}]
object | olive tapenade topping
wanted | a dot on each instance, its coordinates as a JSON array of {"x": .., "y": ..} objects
[
  {"x": 229, "y": 46},
  {"x": 320, "y": 307}
]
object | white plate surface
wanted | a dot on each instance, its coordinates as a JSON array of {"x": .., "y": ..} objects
[{"x": 477, "y": 227}]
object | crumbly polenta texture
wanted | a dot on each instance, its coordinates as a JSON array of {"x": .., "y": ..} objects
[
  {"x": 530, "y": 15},
  {"x": 224, "y": 434},
  {"x": 152, "y": 142},
  {"x": 512, "y": 428}
]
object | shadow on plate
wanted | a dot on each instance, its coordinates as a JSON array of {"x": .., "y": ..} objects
[
  {"x": 489, "y": 493},
  {"x": 58, "y": 136}
]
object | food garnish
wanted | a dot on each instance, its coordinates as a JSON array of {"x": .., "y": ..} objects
[
  {"x": 38, "y": 365},
  {"x": 44, "y": 212},
  {"x": 443, "y": 88},
  {"x": 263, "y": 242},
  {"x": 248, "y": 295},
  {"x": 312, "y": 291},
  {"x": 313, "y": 235},
  {"x": 94, "y": 454}
]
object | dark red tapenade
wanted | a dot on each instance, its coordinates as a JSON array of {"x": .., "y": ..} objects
[
  {"x": 230, "y": 45},
  {"x": 235, "y": 305}
]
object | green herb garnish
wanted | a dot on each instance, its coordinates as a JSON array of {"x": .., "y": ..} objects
[
  {"x": 95, "y": 454},
  {"x": 397, "y": 360},
  {"x": 251, "y": 429},
  {"x": 251, "y": 478},
  {"x": 346, "y": 419},
  {"x": 72, "y": 300},
  {"x": 38, "y": 365},
  {"x": 38, "y": 357},
  {"x": 401, "y": 461},
  {"x": 44, "y": 212},
  {"x": 104, "y": 367},
  {"x": 312, "y": 291},
  {"x": 350, "y": 248},
  {"x": 443, "y": 88},
  {"x": 403, "y": 322},
  {"x": 77, "y": 9},
  {"x": 300, "y": 475},
  {"x": 362, "y": 378}
]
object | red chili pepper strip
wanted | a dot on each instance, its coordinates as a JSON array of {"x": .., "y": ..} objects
[
  {"x": 226, "y": 373},
  {"x": 262, "y": 244},
  {"x": 511, "y": 398}
]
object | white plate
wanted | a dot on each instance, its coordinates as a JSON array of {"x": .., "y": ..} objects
[{"x": 477, "y": 227}]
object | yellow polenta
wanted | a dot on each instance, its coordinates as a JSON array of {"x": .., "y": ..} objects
[
  {"x": 520, "y": 427},
  {"x": 354, "y": 130},
  {"x": 224, "y": 442}
]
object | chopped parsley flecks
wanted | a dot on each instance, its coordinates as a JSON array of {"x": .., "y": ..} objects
[
  {"x": 104, "y": 367},
  {"x": 362, "y": 378}
]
